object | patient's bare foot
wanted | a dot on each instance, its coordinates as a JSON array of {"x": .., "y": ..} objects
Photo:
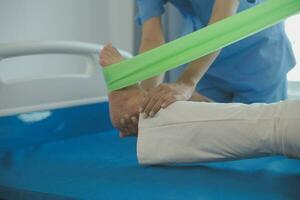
[
  {"x": 110, "y": 55},
  {"x": 123, "y": 102}
]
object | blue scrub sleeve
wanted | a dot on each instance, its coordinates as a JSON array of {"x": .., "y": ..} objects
[
  {"x": 154, "y": 8},
  {"x": 148, "y": 9}
]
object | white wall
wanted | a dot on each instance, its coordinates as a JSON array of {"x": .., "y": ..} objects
[
  {"x": 293, "y": 31},
  {"x": 95, "y": 21}
]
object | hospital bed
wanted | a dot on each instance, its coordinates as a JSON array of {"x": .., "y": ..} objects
[{"x": 68, "y": 149}]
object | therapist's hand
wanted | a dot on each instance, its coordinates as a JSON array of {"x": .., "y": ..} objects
[
  {"x": 164, "y": 95},
  {"x": 129, "y": 126}
]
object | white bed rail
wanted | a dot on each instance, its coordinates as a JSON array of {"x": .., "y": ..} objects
[
  {"x": 88, "y": 51},
  {"x": 8, "y": 50},
  {"x": 78, "y": 89}
]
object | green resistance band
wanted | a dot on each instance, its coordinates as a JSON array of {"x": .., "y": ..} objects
[{"x": 199, "y": 43}]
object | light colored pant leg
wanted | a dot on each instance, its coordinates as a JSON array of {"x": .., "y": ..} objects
[{"x": 205, "y": 132}]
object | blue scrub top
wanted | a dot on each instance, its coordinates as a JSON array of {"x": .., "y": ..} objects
[{"x": 255, "y": 67}]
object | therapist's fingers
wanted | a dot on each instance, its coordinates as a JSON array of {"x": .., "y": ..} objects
[
  {"x": 124, "y": 128},
  {"x": 153, "y": 92},
  {"x": 146, "y": 100},
  {"x": 168, "y": 102},
  {"x": 135, "y": 120},
  {"x": 148, "y": 110},
  {"x": 129, "y": 125},
  {"x": 157, "y": 98},
  {"x": 156, "y": 108}
]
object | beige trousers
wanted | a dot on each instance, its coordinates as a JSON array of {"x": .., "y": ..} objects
[{"x": 189, "y": 132}]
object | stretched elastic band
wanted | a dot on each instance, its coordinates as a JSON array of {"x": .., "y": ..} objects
[{"x": 199, "y": 43}]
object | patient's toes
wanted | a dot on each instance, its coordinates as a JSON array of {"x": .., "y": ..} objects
[
  {"x": 109, "y": 55},
  {"x": 108, "y": 49},
  {"x": 115, "y": 52}
]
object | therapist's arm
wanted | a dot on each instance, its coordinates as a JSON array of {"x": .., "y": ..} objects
[
  {"x": 195, "y": 70},
  {"x": 152, "y": 37},
  {"x": 182, "y": 90}
]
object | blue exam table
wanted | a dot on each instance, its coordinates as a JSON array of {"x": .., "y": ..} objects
[{"x": 74, "y": 153}]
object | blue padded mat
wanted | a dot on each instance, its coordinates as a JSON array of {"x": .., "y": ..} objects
[{"x": 103, "y": 166}]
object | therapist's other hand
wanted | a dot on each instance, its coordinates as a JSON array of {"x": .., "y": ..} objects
[
  {"x": 129, "y": 125},
  {"x": 163, "y": 96}
]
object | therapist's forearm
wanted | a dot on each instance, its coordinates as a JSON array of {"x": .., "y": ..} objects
[
  {"x": 196, "y": 69},
  {"x": 152, "y": 37},
  {"x": 156, "y": 80}
]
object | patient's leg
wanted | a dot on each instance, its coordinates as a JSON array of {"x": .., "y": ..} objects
[
  {"x": 198, "y": 132},
  {"x": 203, "y": 132}
]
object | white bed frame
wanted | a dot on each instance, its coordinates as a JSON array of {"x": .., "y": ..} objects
[{"x": 23, "y": 95}]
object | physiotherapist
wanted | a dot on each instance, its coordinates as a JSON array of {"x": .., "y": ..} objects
[{"x": 252, "y": 70}]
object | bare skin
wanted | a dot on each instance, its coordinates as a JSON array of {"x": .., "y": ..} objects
[{"x": 125, "y": 104}]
